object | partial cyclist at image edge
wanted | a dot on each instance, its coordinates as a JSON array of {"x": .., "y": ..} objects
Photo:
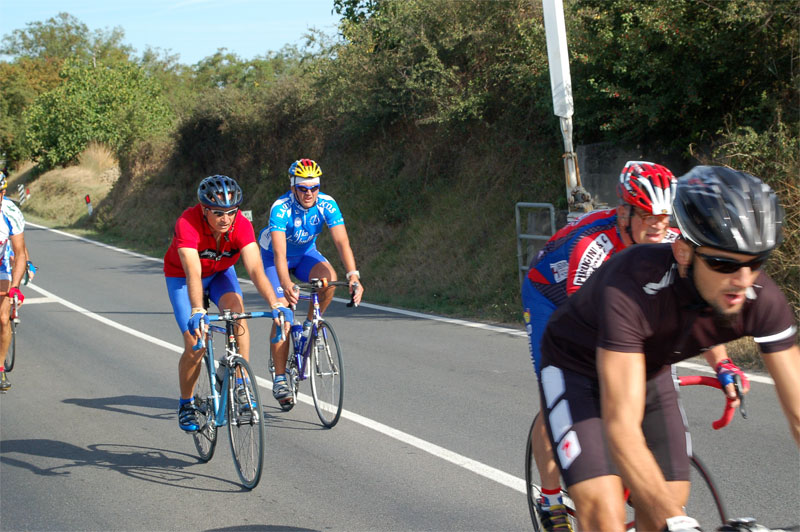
[
  {"x": 12, "y": 227},
  {"x": 288, "y": 247},
  {"x": 610, "y": 348},
  {"x": 207, "y": 241},
  {"x": 645, "y": 191}
]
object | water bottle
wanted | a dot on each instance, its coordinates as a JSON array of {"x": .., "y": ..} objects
[{"x": 297, "y": 334}]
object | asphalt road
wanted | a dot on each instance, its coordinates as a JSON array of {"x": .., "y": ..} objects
[{"x": 432, "y": 437}]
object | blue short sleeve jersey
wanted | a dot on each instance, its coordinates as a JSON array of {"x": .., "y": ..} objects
[{"x": 302, "y": 226}]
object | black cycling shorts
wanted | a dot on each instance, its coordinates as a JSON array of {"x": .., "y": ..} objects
[{"x": 576, "y": 430}]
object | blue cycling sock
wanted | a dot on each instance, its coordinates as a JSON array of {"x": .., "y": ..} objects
[
  {"x": 280, "y": 377},
  {"x": 184, "y": 401}
]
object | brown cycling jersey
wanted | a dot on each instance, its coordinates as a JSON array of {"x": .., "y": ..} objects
[{"x": 637, "y": 303}]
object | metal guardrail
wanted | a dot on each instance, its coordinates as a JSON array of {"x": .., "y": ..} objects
[{"x": 523, "y": 258}]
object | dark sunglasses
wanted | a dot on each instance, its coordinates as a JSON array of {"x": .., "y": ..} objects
[
  {"x": 220, "y": 214},
  {"x": 302, "y": 190},
  {"x": 728, "y": 265}
]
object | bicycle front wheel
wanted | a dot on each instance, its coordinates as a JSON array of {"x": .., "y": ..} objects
[
  {"x": 11, "y": 356},
  {"x": 205, "y": 439},
  {"x": 327, "y": 375},
  {"x": 705, "y": 503},
  {"x": 246, "y": 424}
]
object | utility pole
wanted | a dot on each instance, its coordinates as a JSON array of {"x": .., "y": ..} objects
[{"x": 578, "y": 199}]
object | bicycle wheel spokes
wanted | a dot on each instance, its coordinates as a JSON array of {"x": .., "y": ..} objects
[
  {"x": 245, "y": 425},
  {"x": 327, "y": 375},
  {"x": 205, "y": 439},
  {"x": 11, "y": 356}
]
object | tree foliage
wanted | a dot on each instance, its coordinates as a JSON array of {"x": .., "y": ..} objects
[
  {"x": 672, "y": 71},
  {"x": 114, "y": 105},
  {"x": 64, "y": 36}
]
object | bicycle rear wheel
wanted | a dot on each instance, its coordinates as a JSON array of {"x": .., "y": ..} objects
[
  {"x": 205, "y": 439},
  {"x": 327, "y": 375},
  {"x": 11, "y": 356},
  {"x": 246, "y": 424},
  {"x": 534, "y": 491}
]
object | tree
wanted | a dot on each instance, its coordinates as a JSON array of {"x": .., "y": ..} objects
[
  {"x": 671, "y": 71},
  {"x": 115, "y": 105},
  {"x": 64, "y": 36}
]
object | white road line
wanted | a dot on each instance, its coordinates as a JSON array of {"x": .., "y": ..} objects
[{"x": 483, "y": 470}]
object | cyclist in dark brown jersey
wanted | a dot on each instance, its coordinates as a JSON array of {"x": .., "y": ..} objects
[{"x": 662, "y": 303}]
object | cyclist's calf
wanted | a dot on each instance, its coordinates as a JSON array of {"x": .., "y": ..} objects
[{"x": 599, "y": 503}]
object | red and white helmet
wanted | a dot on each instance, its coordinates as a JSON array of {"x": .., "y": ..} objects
[{"x": 648, "y": 186}]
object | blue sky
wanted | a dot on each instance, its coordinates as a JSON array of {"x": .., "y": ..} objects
[{"x": 194, "y": 29}]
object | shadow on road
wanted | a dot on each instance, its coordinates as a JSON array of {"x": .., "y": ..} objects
[
  {"x": 134, "y": 402},
  {"x": 160, "y": 466}
]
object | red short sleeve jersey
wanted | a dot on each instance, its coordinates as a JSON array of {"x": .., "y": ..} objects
[{"x": 192, "y": 231}]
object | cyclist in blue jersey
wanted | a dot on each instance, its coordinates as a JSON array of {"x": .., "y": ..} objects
[
  {"x": 12, "y": 226},
  {"x": 288, "y": 246}
]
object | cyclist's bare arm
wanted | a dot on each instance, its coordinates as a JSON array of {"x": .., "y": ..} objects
[
  {"x": 251, "y": 258},
  {"x": 622, "y": 397},
  {"x": 190, "y": 260},
  {"x": 784, "y": 367},
  {"x": 342, "y": 243},
  {"x": 282, "y": 266}
]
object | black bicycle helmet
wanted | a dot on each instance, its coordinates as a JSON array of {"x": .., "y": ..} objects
[
  {"x": 219, "y": 191},
  {"x": 729, "y": 210}
]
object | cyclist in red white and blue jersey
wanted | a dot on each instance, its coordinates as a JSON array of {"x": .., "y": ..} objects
[
  {"x": 288, "y": 246},
  {"x": 12, "y": 227},
  {"x": 572, "y": 255}
]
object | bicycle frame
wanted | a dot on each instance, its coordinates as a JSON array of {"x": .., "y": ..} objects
[
  {"x": 302, "y": 353},
  {"x": 225, "y": 393}
]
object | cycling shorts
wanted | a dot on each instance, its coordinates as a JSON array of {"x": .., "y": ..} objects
[
  {"x": 536, "y": 312},
  {"x": 571, "y": 404},
  {"x": 216, "y": 285},
  {"x": 299, "y": 265}
]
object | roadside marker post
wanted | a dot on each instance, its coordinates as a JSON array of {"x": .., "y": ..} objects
[{"x": 88, "y": 204}]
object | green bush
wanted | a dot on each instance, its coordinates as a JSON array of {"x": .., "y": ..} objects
[{"x": 114, "y": 105}]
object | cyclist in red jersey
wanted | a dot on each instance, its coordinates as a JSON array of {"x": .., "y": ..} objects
[
  {"x": 660, "y": 304},
  {"x": 566, "y": 262},
  {"x": 208, "y": 240}
]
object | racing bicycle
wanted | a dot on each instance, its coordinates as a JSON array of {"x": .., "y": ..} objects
[
  {"x": 704, "y": 492},
  {"x": 317, "y": 357},
  {"x": 228, "y": 395}
]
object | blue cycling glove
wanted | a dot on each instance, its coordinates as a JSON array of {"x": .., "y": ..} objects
[
  {"x": 288, "y": 315},
  {"x": 194, "y": 321}
]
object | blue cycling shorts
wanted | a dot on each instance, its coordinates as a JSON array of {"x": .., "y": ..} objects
[
  {"x": 217, "y": 285},
  {"x": 537, "y": 311},
  {"x": 300, "y": 266}
]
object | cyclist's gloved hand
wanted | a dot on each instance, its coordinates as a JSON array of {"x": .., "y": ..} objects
[
  {"x": 725, "y": 372},
  {"x": 196, "y": 319},
  {"x": 682, "y": 523},
  {"x": 30, "y": 271},
  {"x": 288, "y": 315},
  {"x": 15, "y": 293}
]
